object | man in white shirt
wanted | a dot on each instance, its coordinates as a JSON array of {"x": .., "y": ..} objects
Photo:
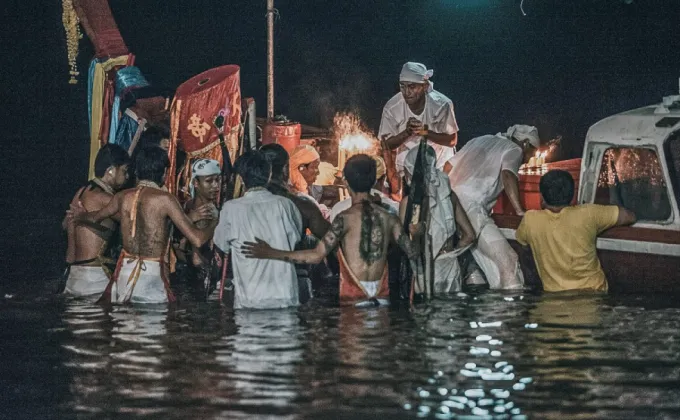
[
  {"x": 482, "y": 169},
  {"x": 416, "y": 105},
  {"x": 259, "y": 284},
  {"x": 387, "y": 203}
]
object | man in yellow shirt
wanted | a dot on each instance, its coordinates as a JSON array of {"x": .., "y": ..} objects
[{"x": 563, "y": 238}]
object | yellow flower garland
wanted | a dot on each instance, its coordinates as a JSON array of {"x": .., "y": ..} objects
[{"x": 70, "y": 20}]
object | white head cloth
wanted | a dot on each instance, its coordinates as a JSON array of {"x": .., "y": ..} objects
[
  {"x": 416, "y": 73},
  {"x": 203, "y": 167},
  {"x": 524, "y": 132},
  {"x": 442, "y": 221}
]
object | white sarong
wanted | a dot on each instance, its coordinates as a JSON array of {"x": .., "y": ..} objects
[
  {"x": 86, "y": 280},
  {"x": 139, "y": 282}
]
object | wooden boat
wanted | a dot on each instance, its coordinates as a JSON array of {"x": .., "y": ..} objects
[{"x": 630, "y": 159}]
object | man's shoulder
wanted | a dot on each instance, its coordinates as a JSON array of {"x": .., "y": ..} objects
[
  {"x": 396, "y": 100},
  {"x": 439, "y": 98}
]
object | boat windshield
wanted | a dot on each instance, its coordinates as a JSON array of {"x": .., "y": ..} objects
[{"x": 632, "y": 177}]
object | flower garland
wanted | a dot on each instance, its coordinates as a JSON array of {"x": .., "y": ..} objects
[{"x": 70, "y": 20}]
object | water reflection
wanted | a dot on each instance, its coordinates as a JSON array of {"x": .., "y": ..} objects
[{"x": 485, "y": 356}]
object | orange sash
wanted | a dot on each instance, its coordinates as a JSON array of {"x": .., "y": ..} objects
[{"x": 351, "y": 290}]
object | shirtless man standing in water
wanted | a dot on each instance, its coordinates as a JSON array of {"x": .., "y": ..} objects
[
  {"x": 363, "y": 232},
  {"x": 145, "y": 214},
  {"x": 88, "y": 265}
]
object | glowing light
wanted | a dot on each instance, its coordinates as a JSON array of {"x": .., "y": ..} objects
[{"x": 352, "y": 137}]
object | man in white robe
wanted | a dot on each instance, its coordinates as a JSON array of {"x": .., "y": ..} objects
[
  {"x": 416, "y": 105},
  {"x": 260, "y": 284},
  {"x": 443, "y": 214},
  {"x": 482, "y": 169}
]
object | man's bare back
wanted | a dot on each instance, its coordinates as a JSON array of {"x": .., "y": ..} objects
[
  {"x": 368, "y": 231},
  {"x": 86, "y": 242}
]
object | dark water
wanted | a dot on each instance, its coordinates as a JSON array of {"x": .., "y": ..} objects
[{"x": 485, "y": 356}]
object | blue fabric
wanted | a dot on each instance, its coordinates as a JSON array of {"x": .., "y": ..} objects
[
  {"x": 126, "y": 78},
  {"x": 127, "y": 127},
  {"x": 90, "y": 82}
]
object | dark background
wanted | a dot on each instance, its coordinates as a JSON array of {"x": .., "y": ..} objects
[{"x": 564, "y": 66}]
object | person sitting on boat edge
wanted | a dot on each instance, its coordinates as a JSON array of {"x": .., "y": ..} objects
[
  {"x": 312, "y": 219},
  {"x": 141, "y": 274},
  {"x": 563, "y": 238},
  {"x": 363, "y": 234},
  {"x": 379, "y": 196},
  {"x": 202, "y": 268},
  {"x": 259, "y": 214},
  {"x": 88, "y": 271},
  {"x": 444, "y": 217}
]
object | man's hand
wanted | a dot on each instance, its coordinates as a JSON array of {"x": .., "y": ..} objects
[
  {"x": 416, "y": 230},
  {"x": 75, "y": 212},
  {"x": 258, "y": 249},
  {"x": 414, "y": 126},
  {"x": 205, "y": 212}
]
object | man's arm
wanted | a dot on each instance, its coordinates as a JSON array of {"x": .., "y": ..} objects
[
  {"x": 79, "y": 214},
  {"x": 626, "y": 217},
  {"x": 196, "y": 236},
  {"x": 511, "y": 187},
  {"x": 467, "y": 231},
  {"x": 410, "y": 247},
  {"x": 443, "y": 139},
  {"x": 68, "y": 217},
  {"x": 261, "y": 250},
  {"x": 317, "y": 224}
]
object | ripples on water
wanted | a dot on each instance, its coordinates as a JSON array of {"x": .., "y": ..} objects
[{"x": 485, "y": 356}]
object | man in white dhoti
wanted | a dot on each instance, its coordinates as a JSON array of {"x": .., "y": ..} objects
[
  {"x": 387, "y": 203},
  {"x": 482, "y": 169},
  {"x": 416, "y": 105},
  {"x": 260, "y": 284},
  {"x": 443, "y": 214},
  {"x": 88, "y": 270}
]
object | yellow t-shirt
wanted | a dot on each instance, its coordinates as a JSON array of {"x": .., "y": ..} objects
[{"x": 564, "y": 245}]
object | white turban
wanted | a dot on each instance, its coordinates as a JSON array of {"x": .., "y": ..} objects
[
  {"x": 203, "y": 167},
  {"x": 524, "y": 132},
  {"x": 416, "y": 73}
]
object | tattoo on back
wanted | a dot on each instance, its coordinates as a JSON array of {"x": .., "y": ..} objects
[{"x": 372, "y": 243}]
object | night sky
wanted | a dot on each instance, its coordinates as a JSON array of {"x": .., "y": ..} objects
[{"x": 564, "y": 66}]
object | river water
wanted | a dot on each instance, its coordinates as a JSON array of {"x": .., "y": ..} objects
[{"x": 488, "y": 355}]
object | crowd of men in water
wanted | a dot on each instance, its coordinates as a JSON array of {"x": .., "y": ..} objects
[{"x": 277, "y": 231}]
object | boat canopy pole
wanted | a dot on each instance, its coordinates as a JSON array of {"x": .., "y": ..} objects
[{"x": 270, "y": 59}]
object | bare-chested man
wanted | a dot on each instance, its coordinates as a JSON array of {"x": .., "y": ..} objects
[
  {"x": 145, "y": 215},
  {"x": 89, "y": 268},
  {"x": 203, "y": 267},
  {"x": 363, "y": 232}
]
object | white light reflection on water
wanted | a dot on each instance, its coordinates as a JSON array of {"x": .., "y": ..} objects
[{"x": 587, "y": 357}]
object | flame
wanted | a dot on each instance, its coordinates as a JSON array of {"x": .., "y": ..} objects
[{"x": 352, "y": 136}]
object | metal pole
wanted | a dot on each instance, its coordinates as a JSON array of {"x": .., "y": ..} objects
[{"x": 270, "y": 59}]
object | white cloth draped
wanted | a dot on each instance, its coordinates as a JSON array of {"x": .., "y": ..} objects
[{"x": 476, "y": 180}]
